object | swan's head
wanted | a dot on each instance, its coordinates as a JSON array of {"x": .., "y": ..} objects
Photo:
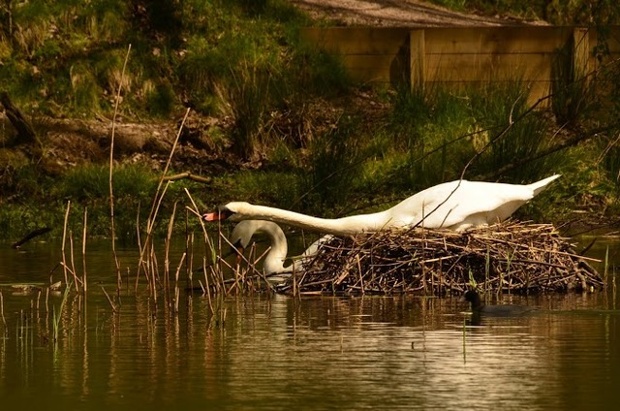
[
  {"x": 241, "y": 236},
  {"x": 243, "y": 232},
  {"x": 232, "y": 212}
]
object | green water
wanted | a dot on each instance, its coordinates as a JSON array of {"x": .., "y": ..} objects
[{"x": 279, "y": 353}]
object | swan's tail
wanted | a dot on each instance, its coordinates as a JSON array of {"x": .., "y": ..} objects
[{"x": 539, "y": 186}]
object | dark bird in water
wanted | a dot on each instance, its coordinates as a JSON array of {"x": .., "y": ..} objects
[{"x": 507, "y": 310}]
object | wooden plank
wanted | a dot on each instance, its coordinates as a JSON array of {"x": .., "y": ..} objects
[
  {"x": 417, "y": 57},
  {"x": 471, "y": 67},
  {"x": 496, "y": 40},
  {"x": 463, "y": 67},
  {"x": 581, "y": 51},
  {"x": 468, "y": 67},
  {"x": 461, "y": 55},
  {"x": 357, "y": 40},
  {"x": 383, "y": 68},
  {"x": 361, "y": 61}
]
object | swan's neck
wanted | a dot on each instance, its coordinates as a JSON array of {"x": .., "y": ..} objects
[
  {"x": 274, "y": 260},
  {"x": 338, "y": 226}
]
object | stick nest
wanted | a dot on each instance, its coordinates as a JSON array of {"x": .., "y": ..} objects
[{"x": 511, "y": 256}]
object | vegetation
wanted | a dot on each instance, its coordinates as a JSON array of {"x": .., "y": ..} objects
[
  {"x": 600, "y": 13},
  {"x": 301, "y": 131}
]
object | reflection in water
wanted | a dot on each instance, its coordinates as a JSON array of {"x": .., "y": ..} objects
[
  {"x": 261, "y": 352},
  {"x": 283, "y": 353}
]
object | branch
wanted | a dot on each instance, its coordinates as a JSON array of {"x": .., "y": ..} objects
[
  {"x": 189, "y": 176},
  {"x": 25, "y": 132}
]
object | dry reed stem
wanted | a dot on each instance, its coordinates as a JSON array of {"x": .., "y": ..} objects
[
  {"x": 167, "y": 246},
  {"x": 176, "y": 275},
  {"x": 150, "y": 224},
  {"x": 2, "y": 310},
  {"x": 154, "y": 273},
  {"x": 139, "y": 238},
  {"x": 64, "y": 241},
  {"x": 73, "y": 270},
  {"x": 209, "y": 250},
  {"x": 76, "y": 278},
  {"x": 159, "y": 196},
  {"x": 241, "y": 280},
  {"x": 84, "y": 225},
  {"x": 207, "y": 288},
  {"x": 189, "y": 248},
  {"x": 111, "y": 179},
  {"x": 112, "y": 304}
]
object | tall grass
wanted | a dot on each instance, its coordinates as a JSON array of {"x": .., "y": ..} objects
[
  {"x": 490, "y": 127},
  {"x": 88, "y": 186},
  {"x": 193, "y": 44},
  {"x": 515, "y": 134},
  {"x": 430, "y": 130},
  {"x": 248, "y": 97},
  {"x": 335, "y": 162}
]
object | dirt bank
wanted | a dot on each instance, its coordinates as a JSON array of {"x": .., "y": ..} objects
[{"x": 397, "y": 13}]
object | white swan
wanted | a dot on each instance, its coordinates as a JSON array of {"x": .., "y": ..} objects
[
  {"x": 456, "y": 205},
  {"x": 273, "y": 262}
]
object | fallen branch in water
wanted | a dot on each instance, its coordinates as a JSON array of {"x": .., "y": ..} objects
[{"x": 30, "y": 236}]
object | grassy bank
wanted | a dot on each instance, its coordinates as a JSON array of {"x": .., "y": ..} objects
[{"x": 277, "y": 122}]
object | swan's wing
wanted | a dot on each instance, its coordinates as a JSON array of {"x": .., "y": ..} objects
[
  {"x": 314, "y": 247},
  {"x": 465, "y": 202},
  {"x": 309, "y": 254}
]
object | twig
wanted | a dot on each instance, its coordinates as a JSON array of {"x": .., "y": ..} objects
[
  {"x": 114, "y": 307},
  {"x": 111, "y": 176}
]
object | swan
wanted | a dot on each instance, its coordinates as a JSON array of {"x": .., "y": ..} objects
[
  {"x": 456, "y": 205},
  {"x": 273, "y": 263}
]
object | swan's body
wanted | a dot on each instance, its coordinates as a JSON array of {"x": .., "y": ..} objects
[
  {"x": 273, "y": 262},
  {"x": 456, "y": 205}
]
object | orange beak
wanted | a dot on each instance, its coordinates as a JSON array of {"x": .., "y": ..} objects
[{"x": 214, "y": 216}]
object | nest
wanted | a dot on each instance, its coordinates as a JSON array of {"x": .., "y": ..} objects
[{"x": 511, "y": 256}]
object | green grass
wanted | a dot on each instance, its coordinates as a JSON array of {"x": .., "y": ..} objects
[
  {"x": 290, "y": 111},
  {"x": 65, "y": 58},
  {"x": 88, "y": 187}
]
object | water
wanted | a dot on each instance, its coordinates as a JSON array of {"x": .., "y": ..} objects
[{"x": 281, "y": 353}]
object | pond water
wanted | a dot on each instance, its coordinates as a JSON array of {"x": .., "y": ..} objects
[{"x": 262, "y": 352}]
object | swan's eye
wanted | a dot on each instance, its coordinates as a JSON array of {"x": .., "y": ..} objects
[{"x": 224, "y": 212}]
